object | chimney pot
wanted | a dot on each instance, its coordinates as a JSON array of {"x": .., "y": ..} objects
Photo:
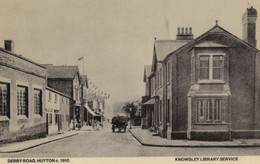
[
  {"x": 178, "y": 30},
  {"x": 9, "y": 45},
  {"x": 190, "y": 32},
  {"x": 186, "y": 31},
  {"x": 182, "y": 30}
]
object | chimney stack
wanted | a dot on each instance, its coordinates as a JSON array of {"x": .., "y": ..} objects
[
  {"x": 9, "y": 45},
  {"x": 249, "y": 26},
  {"x": 184, "y": 34}
]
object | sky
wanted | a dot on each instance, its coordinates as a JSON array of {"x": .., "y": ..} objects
[{"x": 115, "y": 37}]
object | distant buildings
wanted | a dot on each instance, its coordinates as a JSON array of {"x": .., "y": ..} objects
[
  {"x": 205, "y": 88},
  {"x": 39, "y": 100}
]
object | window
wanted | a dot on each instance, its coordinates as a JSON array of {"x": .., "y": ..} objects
[
  {"x": 4, "y": 99},
  {"x": 211, "y": 67},
  {"x": 168, "y": 72},
  {"x": 49, "y": 96},
  {"x": 50, "y": 118},
  {"x": 22, "y": 100},
  {"x": 56, "y": 98},
  {"x": 62, "y": 99},
  {"x": 37, "y": 101},
  {"x": 67, "y": 101},
  {"x": 211, "y": 109},
  {"x": 56, "y": 118}
]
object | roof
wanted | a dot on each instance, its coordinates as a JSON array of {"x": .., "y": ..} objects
[
  {"x": 215, "y": 29},
  {"x": 210, "y": 44},
  {"x": 61, "y": 72},
  {"x": 21, "y": 57},
  {"x": 150, "y": 102},
  {"x": 165, "y": 47},
  {"x": 147, "y": 71},
  {"x": 53, "y": 90},
  {"x": 84, "y": 79}
]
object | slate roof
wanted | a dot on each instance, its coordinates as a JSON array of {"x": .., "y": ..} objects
[
  {"x": 147, "y": 71},
  {"x": 215, "y": 29},
  {"x": 165, "y": 47},
  {"x": 61, "y": 72}
]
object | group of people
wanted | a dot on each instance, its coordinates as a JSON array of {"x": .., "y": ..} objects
[{"x": 96, "y": 125}]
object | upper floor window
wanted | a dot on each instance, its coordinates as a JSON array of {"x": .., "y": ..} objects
[
  {"x": 56, "y": 98},
  {"x": 168, "y": 72},
  {"x": 37, "y": 101},
  {"x": 211, "y": 67},
  {"x": 4, "y": 99},
  {"x": 49, "y": 96},
  {"x": 22, "y": 100}
]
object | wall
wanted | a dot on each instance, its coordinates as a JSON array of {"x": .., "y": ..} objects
[{"x": 17, "y": 71}]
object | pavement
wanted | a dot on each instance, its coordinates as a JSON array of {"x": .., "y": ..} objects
[
  {"x": 145, "y": 137},
  {"x": 28, "y": 144}
]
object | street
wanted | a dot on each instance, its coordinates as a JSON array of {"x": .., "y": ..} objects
[{"x": 104, "y": 143}]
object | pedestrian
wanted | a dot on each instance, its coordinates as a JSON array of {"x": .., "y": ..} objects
[
  {"x": 79, "y": 125},
  {"x": 93, "y": 125},
  {"x": 101, "y": 125},
  {"x": 71, "y": 125}
]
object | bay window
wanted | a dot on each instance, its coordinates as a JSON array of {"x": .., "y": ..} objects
[{"x": 210, "y": 110}]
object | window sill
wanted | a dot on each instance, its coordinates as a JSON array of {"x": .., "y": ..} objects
[
  {"x": 22, "y": 117},
  {"x": 37, "y": 116},
  {"x": 211, "y": 81},
  {"x": 211, "y": 123},
  {"x": 4, "y": 118}
]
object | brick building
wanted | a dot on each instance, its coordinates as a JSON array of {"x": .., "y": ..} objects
[
  {"x": 66, "y": 79},
  {"x": 22, "y": 94},
  {"x": 208, "y": 87},
  {"x": 57, "y": 111}
]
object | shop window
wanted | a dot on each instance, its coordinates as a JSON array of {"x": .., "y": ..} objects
[
  {"x": 37, "y": 101},
  {"x": 211, "y": 110},
  {"x": 4, "y": 99},
  {"x": 22, "y": 100}
]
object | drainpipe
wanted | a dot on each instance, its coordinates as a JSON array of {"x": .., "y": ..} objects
[{"x": 229, "y": 125}]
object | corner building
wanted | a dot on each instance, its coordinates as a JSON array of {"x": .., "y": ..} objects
[
  {"x": 22, "y": 94},
  {"x": 210, "y": 84}
]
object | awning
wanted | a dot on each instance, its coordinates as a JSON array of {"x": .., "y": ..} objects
[
  {"x": 150, "y": 102},
  {"x": 89, "y": 110}
]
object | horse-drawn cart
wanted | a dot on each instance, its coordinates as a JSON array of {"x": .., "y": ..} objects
[{"x": 119, "y": 122}]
